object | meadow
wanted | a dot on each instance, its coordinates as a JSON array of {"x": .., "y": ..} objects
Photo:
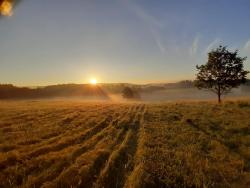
[{"x": 136, "y": 144}]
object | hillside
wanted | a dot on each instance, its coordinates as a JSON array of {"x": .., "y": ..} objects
[
  {"x": 54, "y": 91},
  {"x": 102, "y": 91}
]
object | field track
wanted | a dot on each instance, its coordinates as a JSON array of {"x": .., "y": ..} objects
[
  {"x": 92, "y": 144},
  {"x": 70, "y": 144}
]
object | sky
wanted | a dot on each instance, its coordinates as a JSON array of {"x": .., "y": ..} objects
[{"x": 130, "y": 41}]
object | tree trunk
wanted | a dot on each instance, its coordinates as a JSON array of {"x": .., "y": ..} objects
[{"x": 219, "y": 95}]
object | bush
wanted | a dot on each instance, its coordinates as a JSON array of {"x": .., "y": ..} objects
[{"x": 129, "y": 93}]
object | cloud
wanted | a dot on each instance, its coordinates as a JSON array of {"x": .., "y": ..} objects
[
  {"x": 158, "y": 40},
  {"x": 151, "y": 21},
  {"x": 194, "y": 47},
  {"x": 247, "y": 46},
  {"x": 212, "y": 45},
  {"x": 141, "y": 13}
]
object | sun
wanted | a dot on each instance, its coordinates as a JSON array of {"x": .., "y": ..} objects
[{"x": 93, "y": 81}]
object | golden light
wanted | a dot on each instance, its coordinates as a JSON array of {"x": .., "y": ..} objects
[
  {"x": 6, "y": 8},
  {"x": 93, "y": 81}
]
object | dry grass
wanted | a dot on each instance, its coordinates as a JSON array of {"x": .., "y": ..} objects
[{"x": 75, "y": 144}]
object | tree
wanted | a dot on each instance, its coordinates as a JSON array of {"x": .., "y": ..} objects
[
  {"x": 223, "y": 71},
  {"x": 129, "y": 93}
]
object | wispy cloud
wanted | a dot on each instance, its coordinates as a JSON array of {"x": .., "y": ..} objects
[
  {"x": 247, "y": 46},
  {"x": 142, "y": 14},
  {"x": 194, "y": 47},
  {"x": 151, "y": 21},
  {"x": 158, "y": 40},
  {"x": 212, "y": 45}
]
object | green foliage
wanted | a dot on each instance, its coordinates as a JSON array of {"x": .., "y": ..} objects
[{"x": 223, "y": 71}]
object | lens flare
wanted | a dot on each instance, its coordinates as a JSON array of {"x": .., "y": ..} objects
[{"x": 6, "y": 8}]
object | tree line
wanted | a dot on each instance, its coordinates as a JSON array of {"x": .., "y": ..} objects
[{"x": 8, "y": 91}]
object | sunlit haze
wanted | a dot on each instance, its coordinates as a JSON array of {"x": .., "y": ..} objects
[
  {"x": 124, "y": 93},
  {"x": 129, "y": 41}
]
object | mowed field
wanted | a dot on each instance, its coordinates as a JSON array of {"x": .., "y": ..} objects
[{"x": 81, "y": 144}]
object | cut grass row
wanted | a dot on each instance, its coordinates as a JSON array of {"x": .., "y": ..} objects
[
  {"x": 128, "y": 145},
  {"x": 46, "y": 164}
]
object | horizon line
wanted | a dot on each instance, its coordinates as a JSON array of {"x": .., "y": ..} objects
[{"x": 99, "y": 83}]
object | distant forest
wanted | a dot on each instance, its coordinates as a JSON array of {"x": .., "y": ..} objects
[{"x": 9, "y": 91}]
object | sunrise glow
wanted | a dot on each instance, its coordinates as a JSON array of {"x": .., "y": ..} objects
[{"x": 93, "y": 81}]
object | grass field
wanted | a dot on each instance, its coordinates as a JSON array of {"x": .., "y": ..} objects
[{"x": 76, "y": 144}]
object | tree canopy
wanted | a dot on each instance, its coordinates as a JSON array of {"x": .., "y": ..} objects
[{"x": 223, "y": 71}]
